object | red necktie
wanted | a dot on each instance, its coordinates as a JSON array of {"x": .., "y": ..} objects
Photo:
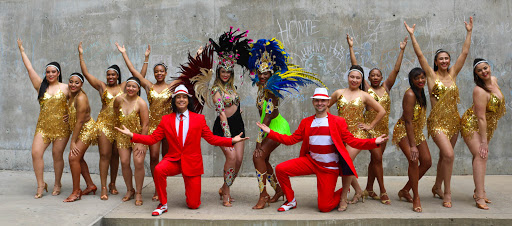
[{"x": 180, "y": 134}]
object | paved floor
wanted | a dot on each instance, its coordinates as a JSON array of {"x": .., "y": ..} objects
[{"x": 18, "y": 207}]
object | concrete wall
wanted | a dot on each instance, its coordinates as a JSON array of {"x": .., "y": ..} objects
[{"x": 312, "y": 31}]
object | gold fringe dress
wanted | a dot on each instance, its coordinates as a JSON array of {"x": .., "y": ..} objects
[
  {"x": 495, "y": 109},
  {"x": 369, "y": 116},
  {"x": 159, "y": 105},
  {"x": 444, "y": 116},
  {"x": 352, "y": 111},
  {"x": 88, "y": 132},
  {"x": 107, "y": 119},
  {"x": 418, "y": 122},
  {"x": 132, "y": 122},
  {"x": 50, "y": 123}
]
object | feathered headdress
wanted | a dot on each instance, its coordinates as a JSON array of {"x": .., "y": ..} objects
[
  {"x": 232, "y": 49},
  {"x": 270, "y": 56},
  {"x": 196, "y": 75}
]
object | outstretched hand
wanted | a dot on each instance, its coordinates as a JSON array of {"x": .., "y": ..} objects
[
  {"x": 20, "y": 45},
  {"x": 469, "y": 26},
  {"x": 382, "y": 139},
  {"x": 80, "y": 49},
  {"x": 409, "y": 29},
  {"x": 148, "y": 51},
  {"x": 404, "y": 43},
  {"x": 263, "y": 127},
  {"x": 238, "y": 138},
  {"x": 121, "y": 49},
  {"x": 483, "y": 150},
  {"x": 350, "y": 41},
  {"x": 125, "y": 131},
  {"x": 414, "y": 153}
]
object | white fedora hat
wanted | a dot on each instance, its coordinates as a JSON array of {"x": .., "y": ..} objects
[
  {"x": 181, "y": 89},
  {"x": 321, "y": 93}
]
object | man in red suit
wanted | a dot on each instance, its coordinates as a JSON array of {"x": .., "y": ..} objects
[
  {"x": 183, "y": 130},
  {"x": 322, "y": 153}
]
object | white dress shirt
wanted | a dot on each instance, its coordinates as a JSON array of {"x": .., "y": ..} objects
[{"x": 185, "y": 124}]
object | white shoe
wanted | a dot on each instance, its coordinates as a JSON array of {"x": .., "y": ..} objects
[
  {"x": 288, "y": 206},
  {"x": 160, "y": 210}
]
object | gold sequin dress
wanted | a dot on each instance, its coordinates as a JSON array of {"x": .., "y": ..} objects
[
  {"x": 418, "y": 122},
  {"x": 107, "y": 119},
  {"x": 495, "y": 109},
  {"x": 50, "y": 123},
  {"x": 88, "y": 132},
  {"x": 132, "y": 122},
  {"x": 159, "y": 105},
  {"x": 369, "y": 116},
  {"x": 444, "y": 116},
  {"x": 352, "y": 111}
]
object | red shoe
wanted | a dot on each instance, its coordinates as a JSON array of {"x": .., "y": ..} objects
[
  {"x": 160, "y": 210},
  {"x": 288, "y": 206}
]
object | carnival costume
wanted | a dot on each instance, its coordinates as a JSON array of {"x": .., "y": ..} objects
[
  {"x": 50, "y": 123},
  {"x": 132, "y": 122},
  {"x": 369, "y": 116},
  {"x": 107, "y": 118},
  {"x": 89, "y": 132},
  {"x": 418, "y": 122},
  {"x": 494, "y": 110},
  {"x": 352, "y": 111},
  {"x": 444, "y": 116},
  {"x": 159, "y": 105},
  {"x": 270, "y": 56}
]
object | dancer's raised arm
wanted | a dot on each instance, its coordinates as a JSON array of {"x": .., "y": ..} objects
[
  {"x": 97, "y": 84},
  {"x": 144, "y": 82},
  {"x": 32, "y": 74},
  {"x": 146, "y": 62},
  {"x": 390, "y": 81},
  {"x": 465, "y": 48},
  {"x": 421, "y": 58}
]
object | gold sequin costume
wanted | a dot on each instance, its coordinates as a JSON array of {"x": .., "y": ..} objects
[
  {"x": 418, "y": 123},
  {"x": 369, "y": 116},
  {"x": 107, "y": 119},
  {"x": 444, "y": 116},
  {"x": 352, "y": 111},
  {"x": 132, "y": 122},
  {"x": 88, "y": 132},
  {"x": 494, "y": 110},
  {"x": 159, "y": 105},
  {"x": 50, "y": 123}
]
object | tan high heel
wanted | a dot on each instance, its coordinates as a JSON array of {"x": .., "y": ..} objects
[
  {"x": 226, "y": 201},
  {"x": 90, "y": 189},
  {"x": 478, "y": 205},
  {"x": 104, "y": 194},
  {"x": 276, "y": 196},
  {"x": 447, "y": 204},
  {"x": 485, "y": 199},
  {"x": 417, "y": 209},
  {"x": 112, "y": 189},
  {"x": 404, "y": 194},
  {"x": 370, "y": 194},
  {"x": 435, "y": 191},
  {"x": 385, "y": 201},
  {"x": 138, "y": 199},
  {"x": 261, "y": 202},
  {"x": 76, "y": 195},
  {"x": 129, "y": 195},
  {"x": 44, "y": 188},
  {"x": 342, "y": 208},
  {"x": 56, "y": 190},
  {"x": 356, "y": 198}
]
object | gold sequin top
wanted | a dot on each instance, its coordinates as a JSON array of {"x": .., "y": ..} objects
[
  {"x": 230, "y": 97},
  {"x": 495, "y": 109},
  {"x": 353, "y": 112},
  {"x": 50, "y": 123},
  {"x": 418, "y": 123},
  {"x": 369, "y": 116},
  {"x": 132, "y": 122},
  {"x": 88, "y": 132},
  {"x": 444, "y": 116},
  {"x": 107, "y": 119},
  {"x": 159, "y": 105}
]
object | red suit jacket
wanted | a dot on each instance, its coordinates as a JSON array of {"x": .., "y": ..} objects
[
  {"x": 339, "y": 134},
  {"x": 190, "y": 153}
]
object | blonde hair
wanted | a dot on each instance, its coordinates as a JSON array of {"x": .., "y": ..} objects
[{"x": 223, "y": 85}]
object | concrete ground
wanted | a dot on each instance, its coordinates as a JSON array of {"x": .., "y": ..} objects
[{"x": 18, "y": 207}]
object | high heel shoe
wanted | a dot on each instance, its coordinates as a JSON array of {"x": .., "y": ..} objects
[
  {"x": 342, "y": 208},
  {"x": 90, "y": 189},
  {"x": 226, "y": 201},
  {"x": 356, "y": 198},
  {"x": 404, "y": 194},
  {"x": 447, "y": 204},
  {"x": 40, "y": 194},
  {"x": 231, "y": 199},
  {"x": 56, "y": 190},
  {"x": 112, "y": 189},
  {"x": 478, "y": 205},
  {"x": 417, "y": 208},
  {"x": 370, "y": 194},
  {"x": 385, "y": 201},
  {"x": 138, "y": 199},
  {"x": 261, "y": 202},
  {"x": 484, "y": 198},
  {"x": 276, "y": 197},
  {"x": 129, "y": 195},
  {"x": 104, "y": 194},
  {"x": 438, "y": 192},
  {"x": 155, "y": 197},
  {"x": 76, "y": 195}
]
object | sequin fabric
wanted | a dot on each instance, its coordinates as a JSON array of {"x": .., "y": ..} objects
[
  {"x": 132, "y": 122},
  {"x": 107, "y": 119},
  {"x": 352, "y": 111},
  {"x": 444, "y": 116},
  {"x": 230, "y": 97},
  {"x": 418, "y": 123},
  {"x": 369, "y": 116},
  {"x": 494, "y": 111},
  {"x": 88, "y": 132},
  {"x": 159, "y": 105},
  {"x": 50, "y": 123}
]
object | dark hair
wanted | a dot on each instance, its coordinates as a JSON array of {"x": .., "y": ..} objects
[
  {"x": 136, "y": 80},
  {"x": 361, "y": 86},
  {"x": 190, "y": 105},
  {"x": 435, "y": 57},
  {"x": 116, "y": 68},
  {"x": 419, "y": 93},
  {"x": 160, "y": 64},
  {"x": 45, "y": 83},
  {"x": 79, "y": 75},
  {"x": 375, "y": 69},
  {"x": 478, "y": 81}
]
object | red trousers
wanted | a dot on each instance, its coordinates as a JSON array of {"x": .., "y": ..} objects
[
  {"x": 192, "y": 183},
  {"x": 326, "y": 180}
]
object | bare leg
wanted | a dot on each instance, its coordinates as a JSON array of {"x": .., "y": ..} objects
[
  {"x": 38, "y": 148},
  {"x": 138, "y": 162},
  {"x": 154, "y": 159},
  {"x": 261, "y": 164},
  {"x": 479, "y": 167},
  {"x": 375, "y": 170},
  {"x": 105, "y": 149},
  {"x": 355, "y": 184},
  {"x": 229, "y": 174},
  {"x": 125, "y": 155},
  {"x": 114, "y": 167},
  {"x": 447, "y": 154},
  {"x": 76, "y": 169},
  {"x": 58, "y": 162}
]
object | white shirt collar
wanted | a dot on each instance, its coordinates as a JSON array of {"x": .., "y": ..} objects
[{"x": 185, "y": 114}]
